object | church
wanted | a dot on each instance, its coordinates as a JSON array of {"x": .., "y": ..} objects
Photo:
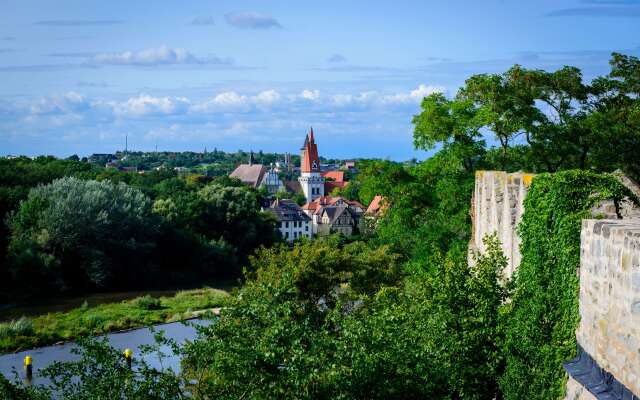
[
  {"x": 311, "y": 179},
  {"x": 329, "y": 214},
  {"x": 322, "y": 214}
]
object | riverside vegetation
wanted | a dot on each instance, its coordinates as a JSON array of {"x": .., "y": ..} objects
[
  {"x": 50, "y": 328},
  {"x": 398, "y": 313}
]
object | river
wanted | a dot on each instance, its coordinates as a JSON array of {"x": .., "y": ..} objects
[{"x": 133, "y": 339}]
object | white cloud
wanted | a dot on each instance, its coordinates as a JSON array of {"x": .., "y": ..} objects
[
  {"x": 310, "y": 94},
  {"x": 226, "y": 101},
  {"x": 161, "y": 55},
  {"x": 414, "y": 96},
  {"x": 232, "y": 101},
  {"x": 266, "y": 98},
  {"x": 156, "y": 56},
  {"x": 350, "y": 99},
  {"x": 68, "y": 103},
  {"x": 148, "y": 105},
  {"x": 231, "y": 112}
]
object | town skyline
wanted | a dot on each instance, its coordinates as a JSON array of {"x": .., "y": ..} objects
[{"x": 255, "y": 75}]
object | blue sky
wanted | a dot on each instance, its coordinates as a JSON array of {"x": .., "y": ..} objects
[{"x": 77, "y": 76}]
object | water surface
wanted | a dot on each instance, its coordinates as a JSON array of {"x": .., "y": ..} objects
[{"x": 133, "y": 339}]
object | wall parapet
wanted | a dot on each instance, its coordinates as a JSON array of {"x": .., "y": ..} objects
[
  {"x": 609, "y": 329},
  {"x": 497, "y": 207}
]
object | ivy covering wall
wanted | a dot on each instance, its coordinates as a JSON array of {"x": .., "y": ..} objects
[{"x": 541, "y": 319}]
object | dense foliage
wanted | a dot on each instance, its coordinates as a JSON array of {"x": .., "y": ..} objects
[
  {"x": 399, "y": 313},
  {"x": 543, "y": 121},
  {"x": 71, "y": 226},
  {"x": 17, "y": 177},
  {"x": 79, "y": 233},
  {"x": 210, "y": 163},
  {"x": 543, "y": 313},
  {"x": 324, "y": 320}
]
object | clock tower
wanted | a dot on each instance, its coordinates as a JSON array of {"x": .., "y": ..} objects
[{"x": 310, "y": 178}]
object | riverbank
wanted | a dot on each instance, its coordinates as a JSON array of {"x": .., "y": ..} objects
[{"x": 52, "y": 328}]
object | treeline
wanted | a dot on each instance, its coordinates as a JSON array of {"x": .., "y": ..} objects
[
  {"x": 212, "y": 163},
  {"x": 401, "y": 314},
  {"x": 72, "y": 226}
]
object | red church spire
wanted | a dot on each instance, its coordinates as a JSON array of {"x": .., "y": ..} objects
[{"x": 311, "y": 160}]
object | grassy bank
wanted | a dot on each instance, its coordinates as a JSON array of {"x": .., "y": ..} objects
[{"x": 50, "y": 328}]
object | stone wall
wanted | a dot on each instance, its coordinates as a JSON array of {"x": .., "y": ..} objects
[
  {"x": 575, "y": 391},
  {"x": 497, "y": 207},
  {"x": 609, "y": 329}
]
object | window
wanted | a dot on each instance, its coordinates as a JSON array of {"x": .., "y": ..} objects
[
  {"x": 306, "y": 228},
  {"x": 286, "y": 235},
  {"x": 287, "y": 224}
]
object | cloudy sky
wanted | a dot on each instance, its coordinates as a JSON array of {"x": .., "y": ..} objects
[{"x": 77, "y": 76}]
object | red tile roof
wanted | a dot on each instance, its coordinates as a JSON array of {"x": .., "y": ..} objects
[
  {"x": 376, "y": 205},
  {"x": 330, "y": 185},
  {"x": 337, "y": 176}
]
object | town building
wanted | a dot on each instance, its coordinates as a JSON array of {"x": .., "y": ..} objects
[
  {"x": 333, "y": 180},
  {"x": 334, "y": 215},
  {"x": 257, "y": 175},
  {"x": 349, "y": 164},
  {"x": 271, "y": 181},
  {"x": 293, "y": 222}
]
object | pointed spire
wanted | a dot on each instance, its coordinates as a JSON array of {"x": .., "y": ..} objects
[{"x": 311, "y": 135}]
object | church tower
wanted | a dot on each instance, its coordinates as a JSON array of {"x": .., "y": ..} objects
[{"x": 310, "y": 179}]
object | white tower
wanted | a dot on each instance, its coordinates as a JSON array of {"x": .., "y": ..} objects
[{"x": 310, "y": 178}]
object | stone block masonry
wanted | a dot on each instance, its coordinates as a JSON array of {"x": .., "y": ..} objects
[
  {"x": 497, "y": 207},
  {"x": 609, "y": 329}
]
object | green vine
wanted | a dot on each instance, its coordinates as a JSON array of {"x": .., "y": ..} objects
[{"x": 541, "y": 319}]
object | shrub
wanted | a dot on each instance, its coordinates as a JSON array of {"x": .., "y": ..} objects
[
  {"x": 21, "y": 327},
  {"x": 93, "y": 320},
  {"x": 148, "y": 303}
]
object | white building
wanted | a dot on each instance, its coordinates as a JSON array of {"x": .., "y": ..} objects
[
  {"x": 292, "y": 221},
  {"x": 272, "y": 181}
]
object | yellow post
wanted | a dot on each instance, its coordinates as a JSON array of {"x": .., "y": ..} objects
[
  {"x": 128, "y": 356},
  {"x": 28, "y": 368}
]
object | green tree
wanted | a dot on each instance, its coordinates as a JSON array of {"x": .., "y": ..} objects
[
  {"x": 278, "y": 336},
  {"x": 452, "y": 123},
  {"x": 616, "y": 117},
  {"x": 78, "y": 234},
  {"x": 101, "y": 373}
]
